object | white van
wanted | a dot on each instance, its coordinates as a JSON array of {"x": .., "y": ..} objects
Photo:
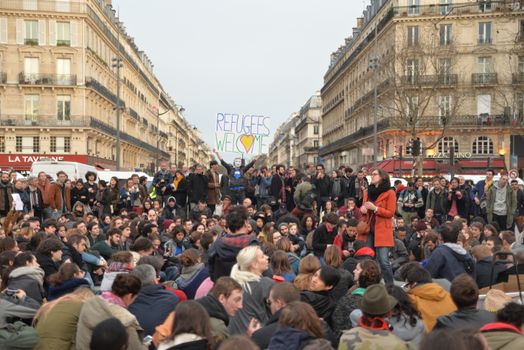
[
  {"x": 73, "y": 170},
  {"x": 122, "y": 176}
]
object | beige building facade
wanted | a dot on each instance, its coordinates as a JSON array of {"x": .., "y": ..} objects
[
  {"x": 447, "y": 72},
  {"x": 308, "y": 132},
  {"x": 58, "y": 91}
]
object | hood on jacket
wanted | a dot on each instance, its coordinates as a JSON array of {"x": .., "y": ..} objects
[
  {"x": 456, "y": 248},
  {"x": 56, "y": 291},
  {"x": 289, "y": 338},
  {"x": 429, "y": 291},
  {"x": 33, "y": 272},
  {"x": 214, "y": 308},
  {"x": 97, "y": 309}
]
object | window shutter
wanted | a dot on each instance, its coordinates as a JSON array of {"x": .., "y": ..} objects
[
  {"x": 3, "y": 30},
  {"x": 52, "y": 33},
  {"x": 74, "y": 33},
  {"x": 41, "y": 32},
  {"x": 20, "y": 31}
]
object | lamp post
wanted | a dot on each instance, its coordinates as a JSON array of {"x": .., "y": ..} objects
[{"x": 117, "y": 63}]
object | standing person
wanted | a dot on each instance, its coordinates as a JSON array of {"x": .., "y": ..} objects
[
  {"x": 48, "y": 192},
  {"x": 36, "y": 199},
  {"x": 178, "y": 189},
  {"x": 236, "y": 171},
  {"x": 519, "y": 197},
  {"x": 197, "y": 187},
  {"x": 161, "y": 180},
  {"x": 111, "y": 196},
  {"x": 80, "y": 193},
  {"x": 142, "y": 190},
  {"x": 348, "y": 182},
  {"x": 278, "y": 188},
  {"x": 65, "y": 192},
  {"x": 213, "y": 186},
  {"x": 6, "y": 190},
  {"x": 322, "y": 184},
  {"x": 409, "y": 202},
  {"x": 336, "y": 189},
  {"x": 358, "y": 187},
  {"x": 501, "y": 204},
  {"x": 264, "y": 183},
  {"x": 379, "y": 207},
  {"x": 457, "y": 203},
  {"x": 482, "y": 187},
  {"x": 437, "y": 200},
  {"x": 91, "y": 187},
  {"x": 423, "y": 191},
  {"x": 291, "y": 185}
]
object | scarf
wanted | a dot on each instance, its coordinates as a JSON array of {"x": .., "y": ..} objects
[
  {"x": 375, "y": 191},
  {"x": 116, "y": 266},
  {"x": 177, "y": 180},
  {"x": 113, "y": 299}
]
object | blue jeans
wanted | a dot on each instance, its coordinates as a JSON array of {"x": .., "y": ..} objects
[{"x": 382, "y": 255}]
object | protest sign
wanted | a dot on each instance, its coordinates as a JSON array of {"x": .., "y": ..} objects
[{"x": 238, "y": 133}]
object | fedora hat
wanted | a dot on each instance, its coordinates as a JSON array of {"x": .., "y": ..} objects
[{"x": 377, "y": 301}]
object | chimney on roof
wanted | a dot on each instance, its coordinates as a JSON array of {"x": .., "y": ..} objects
[{"x": 360, "y": 22}]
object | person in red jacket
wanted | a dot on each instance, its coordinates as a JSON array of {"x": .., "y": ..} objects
[{"x": 379, "y": 206}]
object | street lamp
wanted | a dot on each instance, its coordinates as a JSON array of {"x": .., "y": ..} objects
[{"x": 117, "y": 63}]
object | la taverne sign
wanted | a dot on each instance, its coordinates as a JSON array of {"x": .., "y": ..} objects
[{"x": 458, "y": 155}]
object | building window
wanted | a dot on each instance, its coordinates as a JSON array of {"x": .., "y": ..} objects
[
  {"x": 63, "y": 34},
  {"x": 31, "y": 69},
  {"x": 485, "y": 33},
  {"x": 520, "y": 68},
  {"x": 412, "y": 111},
  {"x": 444, "y": 108},
  {"x": 413, "y": 7},
  {"x": 484, "y": 5},
  {"x": 36, "y": 144},
  {"x": 316, "y": 129},
  {"x": 482, "y": 145},
  {"x": 315, "y": 143},
  {"x": 18, "y": 144},
  {"x": 446, "y": 143},
  {"x": 485, "y": 65},
  {"x": 31, "y": 107},
  {"x": 52, "y": 144},
  {"x": 31, "y": 33},
  {"x": 60, "y": 144},
  {"x": 67, "y": 144},
  {"x": 2, "y": 144},
  {"x": 63, "y": 108},
  {"x": 445, "y": 34},
  {"x": 445, "y": 7},
  {"x": 412, "y": 68},
  {"x": 412, "y": 36}
]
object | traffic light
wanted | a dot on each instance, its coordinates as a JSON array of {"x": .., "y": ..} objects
[{"x": 416, "y": 147}]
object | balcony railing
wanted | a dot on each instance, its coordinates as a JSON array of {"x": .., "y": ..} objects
[
  {"x": 47, "y": 79},
  {"x": 134, "y": 114},
  {"x": 3, "y": 77},
  {"x": 104, "y": 91},
  {"x": 311, "y": 149},
  {"x": 430, "y": 80},
  {"x": 31, "y": 42},
  {"x": 485, "y": 41},
  {"x": 517, "y": 78},
  {"x": 39, "y": 120},
  {"x": 484, "y": 78},
  {"x": 63, "y": 43},
  {"x": 47, "y": 6}
]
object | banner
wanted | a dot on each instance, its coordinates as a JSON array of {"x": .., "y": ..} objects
[{"x": 245, "y": 134}]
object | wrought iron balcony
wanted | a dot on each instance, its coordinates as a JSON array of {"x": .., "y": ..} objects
[
  {"x": 47, "y": 79},
  {"x": 133, "y": 114},
  {"x": 485, "y": 41},
  {"x": 63, "y": 43},
  {"x": 430, "y": 80},
  {"x": 484, "y": 78}
]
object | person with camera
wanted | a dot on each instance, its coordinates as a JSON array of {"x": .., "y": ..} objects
[
  {"x": 163, "y": 177},
  {"x": 409, "y": 201}
]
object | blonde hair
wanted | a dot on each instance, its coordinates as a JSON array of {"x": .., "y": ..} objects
[{"x": 241, "y": 270}]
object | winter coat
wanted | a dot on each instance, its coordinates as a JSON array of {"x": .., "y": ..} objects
[
  {"x": 104, "y": 249},
  {"x": 58, "y": 290},
  {"x": 218, "y": 316},
  {"x": 38, "y": 203},
  {"x": 152, "y": 306},
  {"x": 437, "y": 202},
  {"x": 323, "y": 186},
  {"x": 345, "y": 282},
  {"x": 432, "y": 301},
  {"x": 6, "y": 200},
  {"x": 276, "y": 189},
  {"x": 191, "y": 278},
  {"x": 360, "y": 338},
  {"x": 197, "y": 187},
  {"x": 304, "y": 196},
  {"x": 24, "y": 197},
  {"x": 96, "y": 310},
  {"x": 465, "y": 318},
  {"x": 287, "y": 338},
  {"x": 30, "y": 280},
  {"x": 405, "y": 331},
  {"x": 323, "y": 303},
  {"x": 264, "y": 183},
  {"x": 511, "y": 203},
  {"x": 48, "y": 265},
  {"x": 80, "y": 195},
  {"x": 49, "y": 194},
  {"x": 344, "y": 308},
  {"x": 383, "y": 230},
  {"x": 263, "y": 336},
  {"x": 483, "y": 271},
  {"x": 503, "y": 336},
  {"x": 57, "y": 330},
  {"x": 12, "y": 307},
  {"x": 162, "y": 179},
  {"x": 321, "y": 239},
  {"x": 253, "y": 306},
  {"x": 461, "y": 202},
  {"x": 213, "y": 188},
  {"x": 450, "y": 260},
  {"x": 180, "y": 193},
  {"x": 223, "y": 253}
]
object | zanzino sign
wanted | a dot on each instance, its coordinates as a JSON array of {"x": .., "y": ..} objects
[{"x": 458, "y": 155}]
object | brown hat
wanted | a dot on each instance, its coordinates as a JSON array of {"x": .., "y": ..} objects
[
  {"x": 376, "y": 300},
  {"x": 495, "y": 300}
]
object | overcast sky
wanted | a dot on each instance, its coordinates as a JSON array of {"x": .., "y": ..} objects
[{"x": 264, "y": 57}]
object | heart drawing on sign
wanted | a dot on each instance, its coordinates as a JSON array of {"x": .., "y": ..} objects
[{"x": 247, "y": 141}]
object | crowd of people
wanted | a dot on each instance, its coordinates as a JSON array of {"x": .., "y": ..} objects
[{"x": 238, "y": 257}]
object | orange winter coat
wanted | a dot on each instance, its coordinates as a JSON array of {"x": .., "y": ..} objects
[{"x": 387, "y": 205}]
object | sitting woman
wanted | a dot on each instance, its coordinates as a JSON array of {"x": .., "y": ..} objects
[
  {"x": 405, "y": 319},
  {"x": 191, "y": 328},
  {"x": 281, "y": 267},
  {"x": 308, "y": 266},
  {"x": 194, "y": 272},
  {"x": 66, "y": 280},
  {"x": 285, "y": 245},
  {"x": 320, "y": 292},
  {"x": 25, "y": 274},
  {"x": 121, "y": 262},
  {"x": 178, "y": 242},
  {"x": 300, "y": 328}
]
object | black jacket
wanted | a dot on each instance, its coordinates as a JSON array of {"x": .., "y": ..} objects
[
  {"x": 48, "y": 265},
  {"x": 214, "y": 308},
  {"x": 197, "y": 187},
  {"x": 322, "y": 302},
  {"x": 483, "y": 272},
  {"x": 152, "y": 306},
  {"x": 465, "y": 318},
  {"x": 275, "y": 190},
  {"x": 323, "y": 186},
  {"x": 263, "y": 336},
  {"x": 321, "y": 238}
]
